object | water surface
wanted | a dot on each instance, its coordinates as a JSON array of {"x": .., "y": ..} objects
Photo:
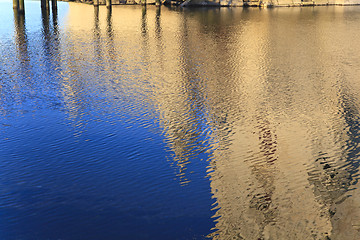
[{"x": 149, "y": 123}]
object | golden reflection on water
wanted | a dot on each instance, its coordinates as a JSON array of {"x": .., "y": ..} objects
[{"x": 278, "y": 92}]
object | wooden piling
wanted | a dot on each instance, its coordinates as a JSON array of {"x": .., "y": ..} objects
[
  {"x": 16, "y": 4},
  {"x": 108, "y": 3},
  {"x": 54, "y": 5},
  {"x": 21, "y": 7}
]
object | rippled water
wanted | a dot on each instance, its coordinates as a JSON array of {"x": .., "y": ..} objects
[{"x": 149, "y": 123}]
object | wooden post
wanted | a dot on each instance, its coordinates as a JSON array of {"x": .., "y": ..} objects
[
  {"x": 108, "y": 3},
  {"x": 54, "y": 5},
  {"x": 16, "y": 4},
  {"x": 21, "y": 7}
]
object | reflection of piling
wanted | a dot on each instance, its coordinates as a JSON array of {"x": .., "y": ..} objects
[
  {"x": 21, "y": 7},
  {"x": 16, "y": 4},
  {"x": 157, "y": 22},
  {"x": 96, "y": 15},
  {"x": 45, "y": 5},
  {"x": 45, "y": 12},
  {"x": 45, "y": 18},
  {"x": 21, "y": 39},
  {"x": 54, "y": 5},
  {"x": 108, "y": 19},
  {"x": 143, "y": 20},
  {"x": 97, "y": 36},
  {"x": 108, "y": 3},
  {"x": 109, "y": 23},
  {"x": 55, "y": 24}
]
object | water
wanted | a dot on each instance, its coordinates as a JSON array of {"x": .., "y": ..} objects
[{"x": 146, "y": 123}]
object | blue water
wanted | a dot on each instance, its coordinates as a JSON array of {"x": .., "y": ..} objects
[
  {"x": 92, "y": 166},
  {"x": 148, "y": 123}
]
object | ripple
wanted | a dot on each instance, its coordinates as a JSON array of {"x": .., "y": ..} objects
[{"x": 154, "y": 123}]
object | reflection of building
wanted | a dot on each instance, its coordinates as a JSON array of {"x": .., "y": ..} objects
[
  {"x": 283, "y": 171},
  {"x": 277, "y": 170},
  {"x": 271, "y": 114}
]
